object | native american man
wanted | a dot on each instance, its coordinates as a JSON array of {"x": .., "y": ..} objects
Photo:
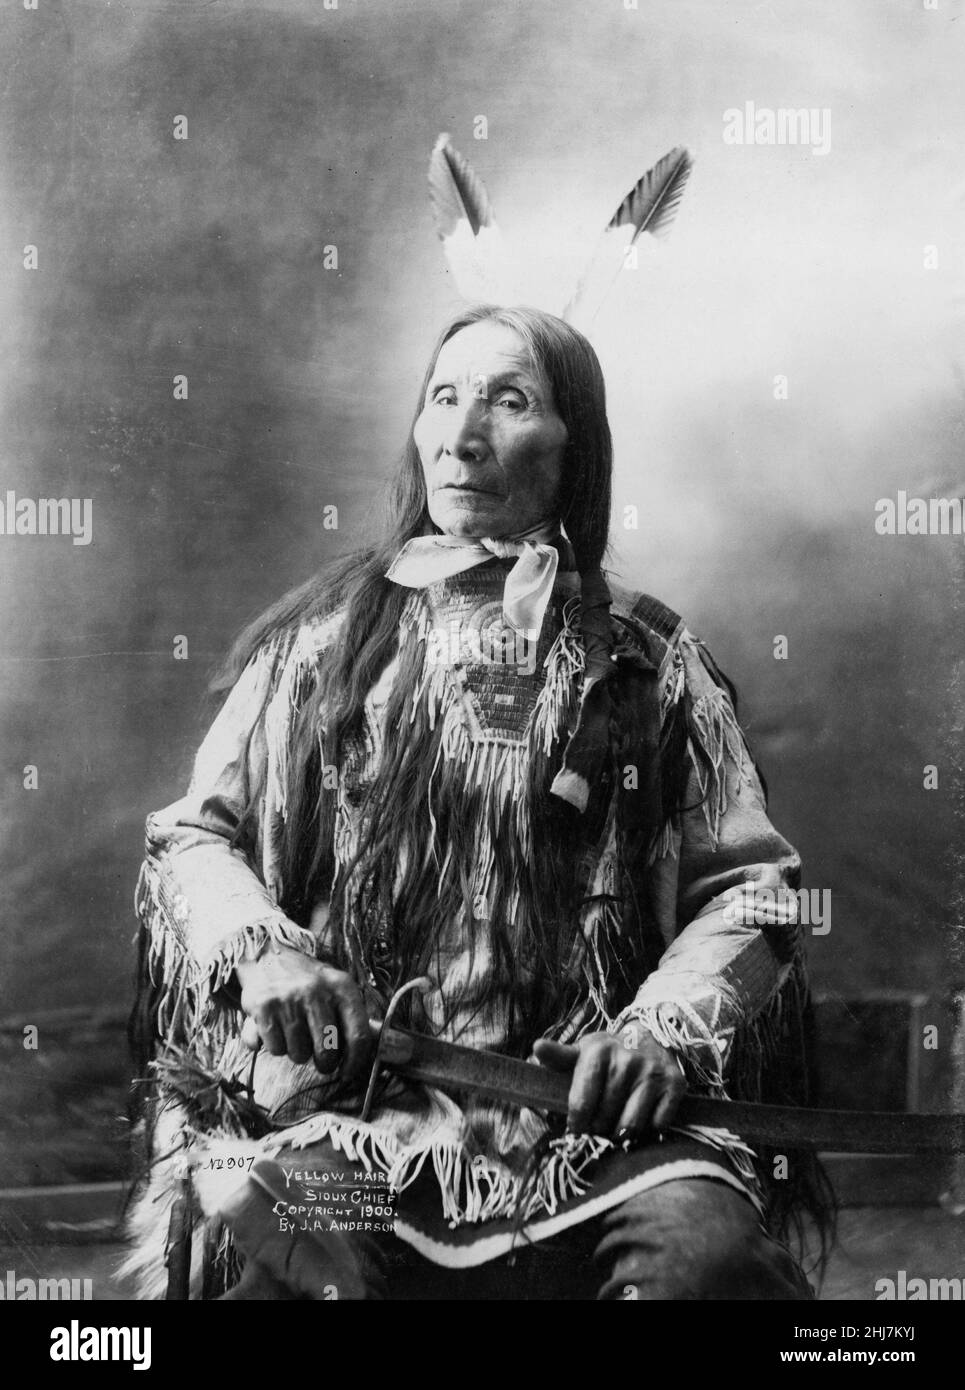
[{"x": 462, "y": 756}]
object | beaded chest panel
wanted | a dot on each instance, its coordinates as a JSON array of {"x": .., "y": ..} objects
[{"x": 497, "y": 672}]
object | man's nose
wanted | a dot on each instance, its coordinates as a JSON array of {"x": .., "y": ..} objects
[{"x": 466, "y": 433}]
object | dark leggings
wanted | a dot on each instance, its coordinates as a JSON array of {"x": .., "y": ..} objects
[{"x": 690, "y": 1238}]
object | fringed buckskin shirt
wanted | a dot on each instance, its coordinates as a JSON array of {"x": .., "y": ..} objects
[{"x": 662, "y": 924}]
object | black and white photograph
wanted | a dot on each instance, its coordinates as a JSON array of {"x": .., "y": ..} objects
[{"x": 482, "y": 676}]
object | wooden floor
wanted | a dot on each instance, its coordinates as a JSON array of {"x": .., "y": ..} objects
[{"x": 874, "y": 1243}]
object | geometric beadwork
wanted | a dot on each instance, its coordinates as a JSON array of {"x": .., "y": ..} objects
[{"x": 498, "y": 672}]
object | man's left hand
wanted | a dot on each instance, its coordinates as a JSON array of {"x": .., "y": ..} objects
[{"x": 622, "y": 1086}]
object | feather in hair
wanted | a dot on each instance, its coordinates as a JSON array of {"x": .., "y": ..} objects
[
  {"x": 472, "y": 242},
  {"x": 650, "y": 206}
]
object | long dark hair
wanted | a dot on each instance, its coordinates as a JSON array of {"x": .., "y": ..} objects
[{"x": 372, "y": 605}]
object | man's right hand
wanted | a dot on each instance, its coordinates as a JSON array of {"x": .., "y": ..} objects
[{"x": 308, "y": 1010}]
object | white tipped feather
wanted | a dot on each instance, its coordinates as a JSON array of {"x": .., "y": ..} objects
[
  {"x": 650, "y": 206},
  {"x": 472, "y": 242}
]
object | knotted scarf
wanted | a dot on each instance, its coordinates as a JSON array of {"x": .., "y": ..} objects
[{"x": 529, "y": 584}]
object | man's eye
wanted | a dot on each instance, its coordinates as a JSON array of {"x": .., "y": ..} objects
[
  {"x": 510, "y": 400},
  {"x": 445, "y": 397}
]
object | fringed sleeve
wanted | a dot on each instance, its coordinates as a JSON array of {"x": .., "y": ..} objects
[
  {"x": 738, "y": 941},
  {"x": 202, "y": 903}
]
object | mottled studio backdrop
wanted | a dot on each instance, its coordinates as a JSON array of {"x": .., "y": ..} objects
[{"x": 309, "y": 127}]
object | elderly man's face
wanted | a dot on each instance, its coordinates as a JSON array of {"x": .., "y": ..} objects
[{"x": 489, "y": 436}]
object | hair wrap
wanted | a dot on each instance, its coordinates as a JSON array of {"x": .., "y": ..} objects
[{"x": 589, "y": 743}]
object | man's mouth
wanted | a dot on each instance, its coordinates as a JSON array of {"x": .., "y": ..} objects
[{"x": 467, "y": 487}]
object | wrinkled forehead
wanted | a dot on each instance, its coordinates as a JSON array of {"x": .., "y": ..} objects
[{"x": 487, "y": 349}]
